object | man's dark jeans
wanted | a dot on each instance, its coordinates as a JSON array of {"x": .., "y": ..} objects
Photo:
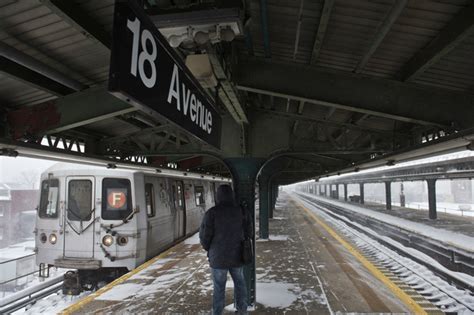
[{"x": 219, "y": 277}]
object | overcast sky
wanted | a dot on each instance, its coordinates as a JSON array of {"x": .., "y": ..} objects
[{"x": 20, "y": 169}]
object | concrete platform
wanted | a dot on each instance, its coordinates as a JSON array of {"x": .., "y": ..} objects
[
  {"x": 445, "y": 221},
  {"x": 301, "y": 269}
]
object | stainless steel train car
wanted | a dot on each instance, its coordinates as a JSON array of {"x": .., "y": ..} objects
[{"x": 105, "y": 222}]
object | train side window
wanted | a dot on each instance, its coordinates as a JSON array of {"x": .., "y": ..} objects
[
  {"x": 79, "y": 203},
  {"x": 213, "y": 191},
  {"x": 179, "y": 196},
  {"x": 49, "y": 199},
  {"x": 199, "y": 195},
  {"x": 150, "y": 200},
  {"x": 116, "y": 198}
]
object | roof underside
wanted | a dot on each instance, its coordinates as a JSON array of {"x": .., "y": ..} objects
[{"x": 412, "y": 46}]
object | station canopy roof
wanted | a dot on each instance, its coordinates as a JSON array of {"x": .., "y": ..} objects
[{"x": 319, "y": 85}]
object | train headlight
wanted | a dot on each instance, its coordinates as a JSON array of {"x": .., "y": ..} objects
[
  {"x": 107, "y": 240},
  {"x": 53, "y": 238},
  {"x": 122, "y": 240},
  {"x": 43, "y": 238}
]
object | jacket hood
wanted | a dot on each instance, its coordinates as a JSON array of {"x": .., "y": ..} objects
[{"x": 225, "y": 195}]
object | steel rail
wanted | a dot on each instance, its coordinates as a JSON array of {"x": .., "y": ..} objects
[
  {"x": 336, "y": 215},
  {"x": 30, "y": 295}
]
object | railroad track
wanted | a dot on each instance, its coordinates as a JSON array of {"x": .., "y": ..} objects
[
  {"x": 415, "y": 279},
  {"x": 30, "y": 295}
]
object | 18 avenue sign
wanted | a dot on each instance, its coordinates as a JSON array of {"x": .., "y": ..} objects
[{"x": 145, "y": 71}]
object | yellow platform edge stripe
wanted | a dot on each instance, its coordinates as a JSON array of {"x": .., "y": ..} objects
[
  {"x": 405, "y": 298},
  {"x": 86, "y": 300}
]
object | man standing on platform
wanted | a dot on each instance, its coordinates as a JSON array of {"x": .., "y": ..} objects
[{"x": 221, "y": 235}]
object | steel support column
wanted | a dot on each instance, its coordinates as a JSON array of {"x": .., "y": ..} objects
[
  {"x": 273, "y": 194},
  {"x": 432, "y": 198},
  {"x": 345, "y": 192},
  {"x": 361, "y": 186},
  {"x": 244, "y": 173},
  {"x": 337, "y": 191},
  {"x": 388, "y": 195},
  {"x": 264, "y": 206}
]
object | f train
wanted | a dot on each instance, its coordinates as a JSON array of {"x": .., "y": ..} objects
[{"x": 105, "y": 222}]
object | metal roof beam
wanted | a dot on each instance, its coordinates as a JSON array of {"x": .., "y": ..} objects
[
  {"x": 30, "y": 77},
  {"x": 264, "y": 22},
  {"x": 382, "y": 29},
  {"x": 379, "y": 97},
  {"x": 322, "y": 27},
  {"x": 33, "y": 64},
  {"x": 75, "y": 16},
  {"x": 460, "y": 27},
  {"x": 74, "y": 110}
]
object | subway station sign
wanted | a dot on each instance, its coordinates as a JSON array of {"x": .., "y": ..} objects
[{"x": 146, "y": 72}]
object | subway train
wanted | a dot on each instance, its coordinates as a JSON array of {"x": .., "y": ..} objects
[{"x": 104, "y": 222}]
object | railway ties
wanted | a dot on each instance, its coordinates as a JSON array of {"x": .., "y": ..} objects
[{"x": 431, "y": 290}]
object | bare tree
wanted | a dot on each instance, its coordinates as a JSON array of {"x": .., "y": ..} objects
[{"x": 29, "y": 178}]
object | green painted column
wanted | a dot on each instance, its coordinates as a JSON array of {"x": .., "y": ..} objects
[
  {"x": 244, "y": 173},
  {"x": 274, "y": 196},
  {"x": 388, "y": 195},
  {"x": 433, "y": 215},
  {"x": 264, "y": 206}
]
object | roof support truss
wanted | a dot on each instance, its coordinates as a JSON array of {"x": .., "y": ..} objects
[
  {"x": 322, "y": 27},
  {"x": 460, "y": 27},
  {"x": 393, "y": 99}
]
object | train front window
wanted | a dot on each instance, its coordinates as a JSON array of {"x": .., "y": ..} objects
[
  {"x": 49, "y": 199},
  {"x": 116, "y": 198},
  {"x": 79, "y": 204}
]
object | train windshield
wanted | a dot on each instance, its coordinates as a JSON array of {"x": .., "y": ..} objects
[
  {"x": 79, "y": 200},
  {"x": 49, "y": 199},
  {"x": 116, "y": 198}
]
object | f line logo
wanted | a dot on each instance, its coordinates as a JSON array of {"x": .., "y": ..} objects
[{"x": 116, "y": 199}]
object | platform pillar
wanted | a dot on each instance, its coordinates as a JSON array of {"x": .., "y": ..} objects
[
  {"x": 361, "y": 187},
  {"x": 345, "y": 192},
  {"x": 328, "y": 190},
  {"x": 388, "y": 195},
  {"x": 337, "y": 191},
  {"x": 432, "y": 198},
  {"x": 264, "y": 206},
  {"x": 273, "y": 198},
  {"x": 244, "y": 172},
  {"x": 402, "y": 196}
]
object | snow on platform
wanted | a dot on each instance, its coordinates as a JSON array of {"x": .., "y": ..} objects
[{"x": 299, "y": 270}]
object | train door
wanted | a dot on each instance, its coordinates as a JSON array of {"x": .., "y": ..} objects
[
  {"x": 79, "y": 217},
  {"x": 180, "y": 209}
]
